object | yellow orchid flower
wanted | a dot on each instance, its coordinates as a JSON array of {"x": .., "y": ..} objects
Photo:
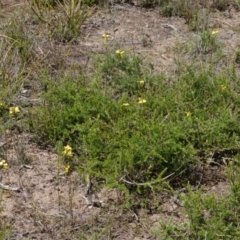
[
  {"x": 67, "y": 151},
  {"x": 214, "y": 32},
  {"x": 223, "y": 87},
  {"x": 67, "y": 169},
  {"x": 141, "y": 100},
  {"x": 3, "y": 164},
  {"x": 141, "y": 83},
  {"x": 105, "y": 37},
  {"x": 120, "y": 53},
  {"x": 14, "y": 110}
]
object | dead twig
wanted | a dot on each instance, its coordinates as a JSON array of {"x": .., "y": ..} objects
[
  {"x": 88, "y": 195},
  {"x": 89, "y": 186},
  {"x": 86, "y": 199},
  {"x": 143, "y": 184},
  {"x": 6, "y": 187},
  {"x": 26, "y": 166},
  {"x": 166, "y": 25}
]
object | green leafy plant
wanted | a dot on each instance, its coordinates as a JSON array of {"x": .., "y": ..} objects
[
  {"x": 182, "y": 8},
  {"x": 237, "y": 57},
  {"x": 209, "y": 216},
  {"x": 221, "y": 5},
  {"x": 237, "y": 3},
  {"x": 196, "y": 13},
  {"x": 120, "y": 72},
  {"x": 202, "y": 44},
  {"x": 75, "y": 13},
  {"x": 19, "y": 42},
  {"x": 118, "y": 123},
  {"x": 17, "y": 52},
  {"x": 213, "y": 216},
  {"x": 137, "y": 132},
  {"x": 4, "y": 227},
  {"x": 64, "y": 18}
]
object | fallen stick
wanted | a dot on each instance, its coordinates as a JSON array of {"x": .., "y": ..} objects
[
  {"x": 166, "y": 25},
  {"x": 9, "y": 188}
]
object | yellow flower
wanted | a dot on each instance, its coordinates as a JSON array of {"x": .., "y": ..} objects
[
  {"x": 1, "y": 104},
  {"x": 105, "y": 37},
  {"x": 215, "y": 32},
  {"x": 188, "y": 114},
  {"x": 141, "y": 100},
  {"x": 141, "y": 83},
  {"x": 14, "y": 110},
  {"x": 223, "y": 87},
  {"x": 5, "y": 166},
  {"x": 120, "y": 53},
  {"x": 126, "y": 104},
  {"x": 67, "y": 151},
  {"x": 67, "y": 169}
]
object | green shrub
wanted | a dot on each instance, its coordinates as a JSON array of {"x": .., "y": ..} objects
[
  {"x": 149, "y": 130},
  {"x": 208, "y": 215}
]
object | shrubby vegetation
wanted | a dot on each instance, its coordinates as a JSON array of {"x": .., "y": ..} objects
[{"x": 118, "y": 122}]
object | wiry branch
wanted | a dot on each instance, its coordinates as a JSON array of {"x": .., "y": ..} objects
[{"x": 122, "y": 179}]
